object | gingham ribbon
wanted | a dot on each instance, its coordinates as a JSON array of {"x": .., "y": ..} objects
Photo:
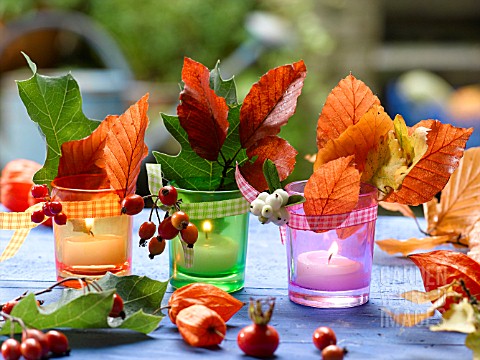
[{"x": 21, "y": 223}]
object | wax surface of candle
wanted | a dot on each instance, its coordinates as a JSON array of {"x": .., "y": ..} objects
[
  {"x": 213, "y": 254},
  {"x": 314, "y": 271},
  {"x": 86, "y": 250}
]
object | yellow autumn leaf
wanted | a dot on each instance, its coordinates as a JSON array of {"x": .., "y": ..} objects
[
  {"x": 460, "y": 317},
  {"x": 421, "y": 297},
  {"x": 473, "y": 343},
  {"x": 410, "y": 319},
  {"x": 430, "y": 210},
  {"x": 405, "y": 247}
]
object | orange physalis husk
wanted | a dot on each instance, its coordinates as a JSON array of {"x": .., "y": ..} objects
[
  {"x": 209, "y": 295},
  {"x": 201, "y": 326}
]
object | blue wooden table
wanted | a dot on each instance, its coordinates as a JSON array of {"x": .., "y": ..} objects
[{"x": 366, "y": 331}]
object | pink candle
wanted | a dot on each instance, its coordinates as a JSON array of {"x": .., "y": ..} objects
[{"x": 316, "y": 271}]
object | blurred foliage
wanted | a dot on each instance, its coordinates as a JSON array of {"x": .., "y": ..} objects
[{"x": 155, "y": 35}]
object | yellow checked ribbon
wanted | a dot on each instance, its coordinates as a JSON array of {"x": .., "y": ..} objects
[{"x": 20, "y": 221}]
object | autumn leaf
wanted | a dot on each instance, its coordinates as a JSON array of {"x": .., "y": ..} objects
[
  {"x": 405, "y": 210},
  {"x": 405, "y": 247},
  {"x": 271, "y": 102},
  {"x": 421, "y": 297},
  {"x": 202, "y": 113},
  {"x": 446, "y": 144},
  {"x": 125, "y": 147},
  {"x": 442, "y": 267},
  {"x": 277, "y": 150},
  {"x": 333, "y": 188},
  {"x": 410, "y": 319},
  {"x": 345, "y": 106},
  {"x": 357, "y": 139},
  {"x": 86, "y": 156},
  {"x": 460, "y": 317}
]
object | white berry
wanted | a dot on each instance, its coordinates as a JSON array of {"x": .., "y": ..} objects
[
  {"x": 283, "y": 194},
  {"x": 263, "y": 195},
  {"x": 267, "y": 211},
  {"x": 256, "y": 207},
  {"x": 281, "y": 216},
  {"x": 274, "y": 200},
  {"x": 264, "y": 220}
]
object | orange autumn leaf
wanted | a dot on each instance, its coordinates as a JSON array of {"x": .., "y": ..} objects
[
  {"x": 405, "y": 247},
  {"x": 125, "y": 147},
  {"x": 203, "y": 294},
  {"x": 202, "y": 113},
  {"x": 357, "y": 139},
  {"x": 442, "y": 267},
  {"x": 277, "y": 150},
  {"x": 200, "y": 326},
  {"x": 446, "y": 144},
  {"x": 345, "y": 106},
  {"x": 271, "y": 102},
  {"x": 86, "y": 156},
  {"x": 333, "y": 188}
]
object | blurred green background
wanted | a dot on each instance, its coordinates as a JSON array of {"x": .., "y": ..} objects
[{"x": 377, "y": 40}]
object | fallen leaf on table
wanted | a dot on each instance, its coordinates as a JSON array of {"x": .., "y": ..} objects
[
  {"x": 339, "y": 194},
  {"x": 460, "y": 317},
  {"x": 409, "y": 319},
  {"x": 405, "y": 247},
  {"x": 345, "y": 106},
  {"x": 421, "y": 297}
]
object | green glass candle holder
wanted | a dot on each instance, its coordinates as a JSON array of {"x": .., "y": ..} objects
[{"x": 221, "y": 249}]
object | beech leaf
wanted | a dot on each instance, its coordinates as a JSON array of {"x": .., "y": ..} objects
[
  {"x": 410, "y": 319},
  {"x": 202, "y": 113},
  {"x": 271, "y": 102},
  {"x": 278, "y": 150},
  {"x": 420, "y": 297},
  {"x": 446, "y": 144},
  {"x": 344, "y": 107},
  {"x": 442, "y": 267},
  {"x": 357, "y": 139},
  {"x": 55, "y": 104},
  {"x": 405, "y": 247},
  {"x": 125, "y": 147},
  {"x": 333, "y": 188}
]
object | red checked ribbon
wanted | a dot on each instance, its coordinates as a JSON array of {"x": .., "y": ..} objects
[
  {"x": 311, "y": 222},
  {"x": 21, "y": 223}
]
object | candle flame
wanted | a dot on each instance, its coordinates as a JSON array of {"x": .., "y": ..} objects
[
  {"x": 89, "y": 222},
  {"x": 207, "y": 226},
  {"x": 333, "y": 250}
]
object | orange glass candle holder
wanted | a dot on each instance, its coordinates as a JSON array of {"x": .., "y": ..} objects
[{"x": 90, "y": 246}]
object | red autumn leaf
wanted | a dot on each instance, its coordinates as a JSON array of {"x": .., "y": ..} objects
[
  {"x": 274, "y": 148},
  {"x": 125, "y": 147},
  {"x": 202, "y": 114},
  {"x": 333, "y": 188},
  {"x": 446, "y": 144},
  {"x": 442, "y": 267},
  {"x": 86, "y": 156},
  {"x": 345, "y": 106},
  {"x": 271, "y": 102}
]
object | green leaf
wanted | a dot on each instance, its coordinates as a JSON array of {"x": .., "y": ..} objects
[
  {"x": 295, "y": 199},
  {"x": 473, "y": 343},
  {"x": 55, "y": 104},
  {"x": 271, "y": 175},
  {"x": 187, "y": 169},
  {"x": 224, "y": 88}
]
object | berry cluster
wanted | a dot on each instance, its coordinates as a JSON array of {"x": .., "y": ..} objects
[
  {"x": 178, "y": 223},
  {"x": 271, "y": 207},
  {"x": 51, "y": 209}
]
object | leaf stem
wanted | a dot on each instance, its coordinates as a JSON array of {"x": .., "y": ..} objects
[{"x": 473, "y": 300}]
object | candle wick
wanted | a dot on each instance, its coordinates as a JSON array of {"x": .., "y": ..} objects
[
  {"x": 90, "y": 232},
  {"x": 329, "y": 258},
  {"x": 206, "y": 235}
]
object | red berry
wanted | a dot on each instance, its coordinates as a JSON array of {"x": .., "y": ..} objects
[
  {"x": 39, "y": 191},
  {"x": 168, "y": 195},
  {"x": 39, "y": 336},
  {"x": 55, "y": 207},
  {"x": 8, "y": 306},
  {"x": 37, "y": 216},
  {"x": 258, "y": 340},
  {"x": 11, "y": 349},
  {"x": 31, "y": 349},
  {"x": 60, "y": 219},
  {"x": 189, "y": 234},
  {"x": 180, "y": 220},
  {"x": 156, "y": 246},
  {"x": 132, "y": 204},
  {"x": 57, "y": 342},
  {"x": 46, "y": 209},
  {"x": 333, "y": 352},
  {"x": 147, "y": 230},
  {"x": 166, "y": 230},
  {"x": 117, "y": 307},
  {"x": 324, "y": 336}
]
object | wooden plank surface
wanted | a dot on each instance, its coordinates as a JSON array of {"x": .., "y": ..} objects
[{"x": 366, "y": 330}]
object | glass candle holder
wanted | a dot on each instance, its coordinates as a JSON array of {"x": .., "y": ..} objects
[
  {"x": 331, "y": 268},
  {"x": 220, "y": 251},
  {"x": 91, "y": 246}
]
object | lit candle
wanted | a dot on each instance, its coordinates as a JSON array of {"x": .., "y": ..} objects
[
  {"x": 213, "y": 253},
  {"x": 328, "y": 271}
]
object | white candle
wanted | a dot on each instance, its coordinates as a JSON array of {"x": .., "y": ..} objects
[
  {"x": 88, "y": 250},
  {"x": 315, "y": 271}
]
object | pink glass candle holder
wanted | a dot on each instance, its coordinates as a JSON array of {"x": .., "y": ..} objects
[{"x": 330, "y": 256}]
